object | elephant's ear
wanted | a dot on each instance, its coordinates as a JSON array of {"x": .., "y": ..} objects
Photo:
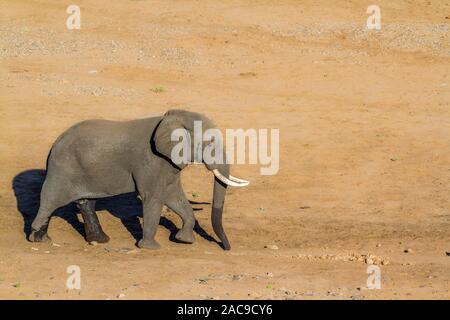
[{"x": 162, "y": 137}]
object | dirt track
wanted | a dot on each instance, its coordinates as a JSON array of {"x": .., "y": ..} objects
[{"x": 364, "y": 144}]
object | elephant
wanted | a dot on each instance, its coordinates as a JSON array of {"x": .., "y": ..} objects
[{"x": 101, "y": 158}]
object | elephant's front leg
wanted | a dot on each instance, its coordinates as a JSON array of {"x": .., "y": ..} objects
[
  {"x": 177, "y": 202},
  {"x": 152, "y": 213}
]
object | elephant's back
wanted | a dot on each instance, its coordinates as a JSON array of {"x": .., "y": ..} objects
[
  {"x": 87, "y": 134},
  {"x": 100, "y": 140}
]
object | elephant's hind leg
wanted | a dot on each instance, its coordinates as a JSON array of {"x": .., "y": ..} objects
[
  {"x": 39, "y": 230},
  {"x": 49, "y": 202},
  {"x": 92, "y": 227},
  {"x": 178, "y": 203}
]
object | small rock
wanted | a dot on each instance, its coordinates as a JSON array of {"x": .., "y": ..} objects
[
  {"x": 93, "y": 71},
  {"x": 271, "y": 247},
  {"x": 132, "y": 251},
  {"x": 93, "y": 243},
  {"x": 236, "y": 277},
  {"x": 269, "y": 274},
  {"x": 121, "y": 296},
  {"x": 47, "y": 251},
  {"x": 409, "y": 250},
  {"x": 254, "y": 295},
  {"x": 35, "y": 249},
  {"x": 378, "y": 245},
  {"x": 56, "y": 245}
]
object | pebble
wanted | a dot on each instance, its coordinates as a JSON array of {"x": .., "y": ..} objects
[
  {"x": 132, "y": 251},
  {"x": 365, "y": 258},
  {"x": 35, "y": 249},
  {"x": 271, "y": 247},
  {"x": 56, "y": 245},
  {"x": 93, "y": 243},
  {"x": 269, "y": 274},
  {"x": 121, "y": 296},
  {"x": 254, "y": 295},
  {"x": 409, "y": 250}
]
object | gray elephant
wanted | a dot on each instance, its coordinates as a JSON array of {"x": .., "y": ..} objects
[{"x": 100, "y": 158}]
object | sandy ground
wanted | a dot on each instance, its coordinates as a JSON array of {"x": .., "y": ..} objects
[{"x": 364, "y": 145}]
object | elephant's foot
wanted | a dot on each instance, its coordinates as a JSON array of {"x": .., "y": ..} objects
[
  {"x": 148, "y": 244},
  {"x": 40, "y": 236},
  {"x": 186, "y": 236},
  {"x": 99, "y": 237}
]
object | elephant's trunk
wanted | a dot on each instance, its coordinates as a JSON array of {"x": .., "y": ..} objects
[
  {"x": 222, "y": 179},
  {"x": 217, "y": 206}
]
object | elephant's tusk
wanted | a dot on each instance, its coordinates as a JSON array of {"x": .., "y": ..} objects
[
  {"x": 235, "y": 183},
  {"x": 238, "y": 180}
]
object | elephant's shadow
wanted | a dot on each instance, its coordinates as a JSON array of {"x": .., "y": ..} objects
[{"x": 127, "y": 207}]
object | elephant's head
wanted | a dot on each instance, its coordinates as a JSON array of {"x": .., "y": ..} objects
[{"x": 180, "y": 119}]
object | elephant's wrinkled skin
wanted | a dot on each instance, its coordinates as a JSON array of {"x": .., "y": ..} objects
[{"x": 100, "y": 158}]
